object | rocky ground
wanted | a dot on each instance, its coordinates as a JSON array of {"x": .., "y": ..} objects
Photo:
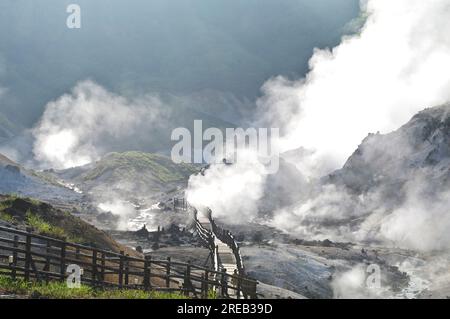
[{"x": 287, "y": 267}]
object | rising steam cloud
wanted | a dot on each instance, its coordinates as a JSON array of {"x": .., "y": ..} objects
[
  {"x": 79, "y": 127},
  {"x": 232, "y": 192},
  {"x": 373, "y": 81}
]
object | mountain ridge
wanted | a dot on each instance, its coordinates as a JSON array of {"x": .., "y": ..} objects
[
  {"x": 19, "y": 180},
  {"x": 130, "y": 173},
  {"x": 422, "y": 144}
]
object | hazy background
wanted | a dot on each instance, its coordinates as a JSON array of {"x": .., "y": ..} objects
[{"x": 212, "y": 55}]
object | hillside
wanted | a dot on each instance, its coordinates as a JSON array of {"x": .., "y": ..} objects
[
  {"x": 130, "y": 173},
  {"x": 393, "y": 189},
  {"x": 6, "y": 161},
  {"x": 420, "y": 147},
  {"x": 47, "y": 220},
  {"x": 15, "y": 179}
]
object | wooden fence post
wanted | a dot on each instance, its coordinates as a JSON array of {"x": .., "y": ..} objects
[
  {"x": 14, "y": 261},
  {"x": 121, "y": 269},
  {"x": 62, "y": 263},
  {"x": 94, "y": 266},
  {"x": 102, "y": 270},
  {"x": 203, "y": 291},
  {"x": 47, "y": 261},
  {"x": 206, "y": 283},
  {"x": 187, "y": 280},
  {"x": 27, "y": 255},
  {"x": 147, "y": 272},
  {"x": 224, "y": 283},
  {"x": 168, "y": 273},
  {"x": 127, "y": 269},
  {"x": 238, "y": 286}
]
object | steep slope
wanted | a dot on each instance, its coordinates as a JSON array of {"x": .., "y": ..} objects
[
  {"x": 394, "y": 189},
  {"x": 44, "y": 219},
  {"x": 6, "y": 161},
  {"x": 422, "y": 146},
  {"x": 130, "y": 173},
  {"x": 15, "y": 179}
]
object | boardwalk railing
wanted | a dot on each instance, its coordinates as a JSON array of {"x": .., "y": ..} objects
[
  {"x": 206, "y": 236},
  {"x": 35, "y": 257},
  {"x": 227, "y": 237},
  {"x": 223, "y": 235}
]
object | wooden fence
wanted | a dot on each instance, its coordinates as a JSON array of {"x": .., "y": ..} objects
[
  {"x": 35, "y": 257},
  {"x": 227, "y": 237}
]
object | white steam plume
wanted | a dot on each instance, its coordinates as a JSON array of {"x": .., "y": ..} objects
[
  {"x": 124, "y": 210},
  {"x": 421, "y": 222},
  {"x": 373, "y": 81},
  {"x": 230, "y": 191},
  {"x": 352, "y": 284},
  {"x": 77, "y": 128}
]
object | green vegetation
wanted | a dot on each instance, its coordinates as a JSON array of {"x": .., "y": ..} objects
[
  {"x": 51, "y": 222},
  {"x": 212, "y": 294},
  {"x": 47, "y": 229},
  {"x": 4, "y": 215},
  {"x": 59, "y": 290},
  {"x": 43, "y": 227},
  {"x": 138, "y": 294},
  {"x": 7, "y": 217},
  {"x": 55, "y": 290},
  {"x": 128, "y": 164}
]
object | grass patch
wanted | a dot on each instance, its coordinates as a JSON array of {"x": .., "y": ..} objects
[
  {"x": 53, "y": 290},
  {"x": 43, "y": 227},
  {"x": 212, "y": 294},
  {"x": 59, "y": 290},
  {"x": 7, "y": 217},
  {"x": 4, "y": 215},
  {"x": 47, "y": 229},
  {"x": 138, "y": 294}
]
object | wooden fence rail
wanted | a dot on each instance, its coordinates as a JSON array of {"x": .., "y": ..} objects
[
  {"x": 227, "y": 237},
  {"x": 36, "y": 257}
]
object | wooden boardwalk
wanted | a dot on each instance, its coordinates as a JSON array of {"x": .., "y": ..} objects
[
  {"x": 225, "y": 250},
  {"x": 226, "y": 258}
]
